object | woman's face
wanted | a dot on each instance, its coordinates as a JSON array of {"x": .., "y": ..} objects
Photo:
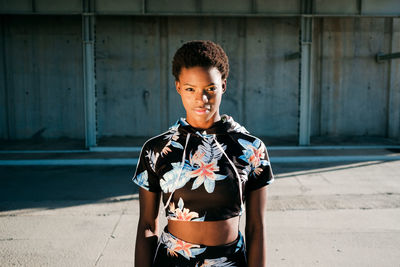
[{"x": 201, "y": 91}]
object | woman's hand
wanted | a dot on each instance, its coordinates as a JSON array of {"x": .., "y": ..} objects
[
  {"x": 256, "y": 240},
  {"x": 147, "y": 231}
]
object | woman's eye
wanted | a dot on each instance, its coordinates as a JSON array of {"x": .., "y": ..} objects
[
  {"x": 189, "y": 89},
  {"x": 212, "y": 88}
]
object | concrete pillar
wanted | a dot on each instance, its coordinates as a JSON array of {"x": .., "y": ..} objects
[
  {"x": 394, "y": 84},
  {"x": 88, "y": 37},
  {"x": 306, "y": 67}
]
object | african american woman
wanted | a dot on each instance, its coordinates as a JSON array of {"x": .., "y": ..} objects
[{"x": 207, "y": 169}]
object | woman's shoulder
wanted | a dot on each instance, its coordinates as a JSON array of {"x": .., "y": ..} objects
[
  {"x": 157, "y": 141},
  {"x": 238, "y": 131},
  {"x": 242, "y": 137}
]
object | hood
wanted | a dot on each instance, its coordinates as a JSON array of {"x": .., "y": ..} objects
[{"x": 225, "y": 125}]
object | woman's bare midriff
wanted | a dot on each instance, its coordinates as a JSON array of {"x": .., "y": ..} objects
[{"x": 210, "y": 233}]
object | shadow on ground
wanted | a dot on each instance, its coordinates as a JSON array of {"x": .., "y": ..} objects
[
  {"x": 35, "y": 186},
  {"x": 56, "y": 187}
]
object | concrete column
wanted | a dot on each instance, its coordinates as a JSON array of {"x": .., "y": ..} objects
[
  {"x": 306, "y": 79},
  {"x": 88, "y": 37},
  {"x": 394, "y": 84}
]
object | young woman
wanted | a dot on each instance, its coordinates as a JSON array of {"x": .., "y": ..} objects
[{"x": 205, "y": 167}]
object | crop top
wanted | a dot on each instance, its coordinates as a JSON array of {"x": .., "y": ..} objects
[{"x": 198, "y": 170}]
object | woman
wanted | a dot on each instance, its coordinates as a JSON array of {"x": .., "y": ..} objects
[{"x": 205, "y": 167}]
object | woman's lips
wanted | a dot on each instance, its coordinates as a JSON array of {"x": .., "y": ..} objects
[{"x": 201, "y": 110}]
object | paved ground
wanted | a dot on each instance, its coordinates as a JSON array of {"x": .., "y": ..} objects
[{"x": 319, "y": 214}]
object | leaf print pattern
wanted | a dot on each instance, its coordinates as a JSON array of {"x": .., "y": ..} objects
[
  {"x": 172, "y": 136},
  {"x": 218, "y": 262},
  {"x": 182, "y": 214},
  {"x": 209, "y": 150},
  {"x": 240, "y": 243},
  {"x": 143, "y": 180},
  {"x": 166, "y": 149},
  {"x": 176, "y": 144},
  {"x": 235, "y": 126},
  {"x": 170, "y": 182},
  {"x": 153, "y": 157},
  {"x": 176, "y": 246},
  {"x": 254, "y": 154}
]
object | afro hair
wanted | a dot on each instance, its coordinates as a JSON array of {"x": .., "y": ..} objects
[{"x": 203, "y": 53}]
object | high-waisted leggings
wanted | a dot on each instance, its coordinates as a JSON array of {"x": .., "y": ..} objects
[{"x": 172, "y": 251}]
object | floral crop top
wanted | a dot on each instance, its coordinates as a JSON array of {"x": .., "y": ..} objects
[{"x": 199, "y": 171}]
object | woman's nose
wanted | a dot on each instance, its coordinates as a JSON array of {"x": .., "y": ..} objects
[
  {"x": 202, "y": 97},
  {"x": 205, "y": 98}
]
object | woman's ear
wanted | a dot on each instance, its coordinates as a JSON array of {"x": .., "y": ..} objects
[
  {"x": 224, "y": 85},
  {"x": 177, "y": 87}
]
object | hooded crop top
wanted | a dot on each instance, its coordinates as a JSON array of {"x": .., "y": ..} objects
[{"x": 199, "y": 171}]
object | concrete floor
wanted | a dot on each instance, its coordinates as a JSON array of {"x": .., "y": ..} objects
[{"x": 319, "y": 214}]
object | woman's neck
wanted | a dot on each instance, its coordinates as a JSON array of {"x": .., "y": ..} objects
[{"x": 203, "y": 124}]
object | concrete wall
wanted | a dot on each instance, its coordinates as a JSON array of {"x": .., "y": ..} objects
[
  {"x": 194, "y": 7},
  {"x": 136, "y": 91},
  {"x": 41, "y": 87},
  {"x": 351, "y": 90},
  {"x": 41, "y": 70}
]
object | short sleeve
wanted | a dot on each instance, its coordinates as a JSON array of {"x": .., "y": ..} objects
[
  {"x": 145, "y": 175},
  {"x": 260, "y": 167}
]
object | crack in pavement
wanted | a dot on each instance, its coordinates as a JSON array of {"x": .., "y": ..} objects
[{"x": 111, "y": 236}]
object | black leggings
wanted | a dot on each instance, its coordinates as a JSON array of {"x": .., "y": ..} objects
[{"x": 172, "y": 251}]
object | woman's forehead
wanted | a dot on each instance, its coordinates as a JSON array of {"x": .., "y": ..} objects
[{"x": 201, "y": 75}]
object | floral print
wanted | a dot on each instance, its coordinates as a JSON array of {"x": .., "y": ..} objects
[
  {"x": 204, "y": 165},
  {"x": 183, "y": 159},
  {"x": 209, "y": 150},
  {"x": 170, "y": 181},
  {"x": 219, "y": 262},
  {"x": 172, "y": 251},
  {"x": 205, "y": 173},
  {"x": 235, "y": 127},
  {"x": 153, "y": 157},
  {"x": 172, "y": 136},
  {"x": 239, "y": 244},
  {"x": 177, "y": 246},
  {"x": 254, "y": 154},
  {"x": 182, "y": 214},
  {"x": 142, "y": 180}
]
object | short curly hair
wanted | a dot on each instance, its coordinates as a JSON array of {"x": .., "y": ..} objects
[{"x": 203, "y": 53}]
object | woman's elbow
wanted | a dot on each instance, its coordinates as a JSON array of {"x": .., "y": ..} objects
[{"x": 148, "y": 227}]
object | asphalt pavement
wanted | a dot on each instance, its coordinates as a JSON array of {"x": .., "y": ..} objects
[{"x": 340, "y": 213}]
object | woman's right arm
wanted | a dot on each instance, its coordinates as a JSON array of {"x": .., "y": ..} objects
[{"x": 147, "y": 231}]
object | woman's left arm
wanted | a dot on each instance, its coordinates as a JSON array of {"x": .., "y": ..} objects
[{"x": 256, "y": 239}]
